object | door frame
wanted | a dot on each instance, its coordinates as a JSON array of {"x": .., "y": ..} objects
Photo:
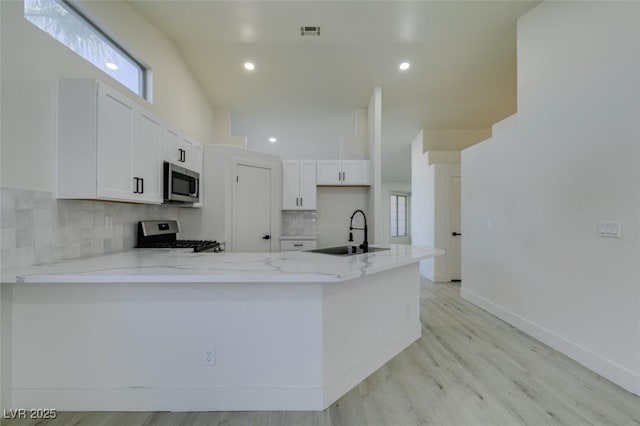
[{"x": 234, "y": 169}]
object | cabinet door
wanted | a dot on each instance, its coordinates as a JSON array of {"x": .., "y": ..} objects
[
  {"x": 290, "y": 185},
  {"x": 170, "y": 145},
  {"x": 329, "y": 172},
  {"x": 116, "y": 117},
  {"x": 192, "y": 157},
  {"x": 356, "y": 172},
  {"x": 147, "y": 164},
  {"x": 307, "y": 185}
]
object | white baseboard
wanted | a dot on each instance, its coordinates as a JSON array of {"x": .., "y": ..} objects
[{"x": 618, "y": 374}]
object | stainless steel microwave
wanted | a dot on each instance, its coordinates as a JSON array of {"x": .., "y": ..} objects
[{"x": 180, "y": 185}]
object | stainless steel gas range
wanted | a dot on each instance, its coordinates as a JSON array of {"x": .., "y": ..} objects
[{"x": 164, "y": 234}]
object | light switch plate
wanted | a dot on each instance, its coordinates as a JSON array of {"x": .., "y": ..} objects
[{"x": 609, "y": 229}]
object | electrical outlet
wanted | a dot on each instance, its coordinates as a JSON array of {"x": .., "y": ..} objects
[
  {"x": 209, "y": 359},
  {"x": 108, "y": 222},
  {"x": 609, "y": 229}
]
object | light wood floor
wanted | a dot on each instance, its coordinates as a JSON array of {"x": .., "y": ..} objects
[{"x": 469, "y": 368}]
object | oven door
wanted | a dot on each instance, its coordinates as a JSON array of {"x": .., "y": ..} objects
[{"x": 180, "y": 185}]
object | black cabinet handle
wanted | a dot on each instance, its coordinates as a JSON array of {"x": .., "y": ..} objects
[
  {"x": 141, "y": 185},
  {"x": 137, "y": 183},
  {"x": 266, "y": 237},
  {"x": 298, "y": 245},
  {"x": 455, "y": 234},
  {"x": 300, "y": 201},
  {"x": 182, "y": 155}
]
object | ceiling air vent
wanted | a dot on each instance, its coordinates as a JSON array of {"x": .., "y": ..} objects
[{"x": 309, "y": 31}]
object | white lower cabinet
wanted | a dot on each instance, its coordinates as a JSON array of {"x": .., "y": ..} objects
[
  {"x": 297, "y": 245},
  {"x": 108, "y": 146}
]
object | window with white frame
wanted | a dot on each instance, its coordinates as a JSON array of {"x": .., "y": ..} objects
[
  {"x": 61, "y": 20},
  {"x": 399, "y": 209}
]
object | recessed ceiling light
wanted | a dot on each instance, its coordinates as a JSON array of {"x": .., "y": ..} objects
[
  {"x": 404, "y": 66},
  {"x": 111, "y": 66},
  {"x": 249, "y": 66},
  {"x": 272, "y": 140}
]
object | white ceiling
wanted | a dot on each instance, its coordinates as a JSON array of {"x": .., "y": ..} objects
[{"x": 462, "y": 54}]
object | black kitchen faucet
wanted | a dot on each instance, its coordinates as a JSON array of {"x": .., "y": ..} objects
[{"x": 365, "y": 244}]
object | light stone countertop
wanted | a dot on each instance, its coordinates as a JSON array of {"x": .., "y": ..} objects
[{"x": 182, "y": 265}]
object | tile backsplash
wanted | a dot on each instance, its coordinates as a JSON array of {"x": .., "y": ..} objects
[
  {"x": 37, "y": 228},
  {"x": 295, "y": 222}
]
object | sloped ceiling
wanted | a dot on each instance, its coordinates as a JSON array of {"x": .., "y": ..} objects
[{"x": 462, "y": 55}]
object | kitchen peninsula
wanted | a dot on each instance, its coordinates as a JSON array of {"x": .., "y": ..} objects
[{"x": 167, "y": 329}]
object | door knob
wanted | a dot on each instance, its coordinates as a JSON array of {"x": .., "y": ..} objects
[
  {"x": 266, "y": 237},
  {"x": 455, "y": 234}
]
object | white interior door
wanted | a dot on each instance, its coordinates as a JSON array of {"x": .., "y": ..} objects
[
  {"x": 456, "y": 230},
  {"x": 252, "y": 209}
]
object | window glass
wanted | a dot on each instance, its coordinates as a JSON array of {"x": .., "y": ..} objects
[
  {"x": 399, "y": 211},
  {"x": 60, "y": 20}
]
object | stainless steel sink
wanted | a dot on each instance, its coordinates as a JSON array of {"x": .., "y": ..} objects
[{"x": 344, "y": 250}]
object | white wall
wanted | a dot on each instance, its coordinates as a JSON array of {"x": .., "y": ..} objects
[
  {"x": 215, "y": 220},
  {"x": 422, "y": 204},
  {"x": 314, "y": 133},
  {"x": 32, "y": 61},
  {"x": 547, "y": 177},
  {"x": 335, "y": 207},
  {"x": 453, "y": 139},
  {"x": 375, "y": 155}
]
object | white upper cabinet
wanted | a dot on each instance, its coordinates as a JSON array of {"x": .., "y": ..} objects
[
  {"x": 356, "y": 172},
  {"x": 108, "y": 146},
  {"x": 344, "y": 172},
  {"x": 116, "y": 117},
  {"x": 180, "y": 150},
  {"x": 192, "y": 156},
  {"x": 299, "y": 185},
  {"x": 147, "y": 162},
  {"x": 329, "y": 172}
]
